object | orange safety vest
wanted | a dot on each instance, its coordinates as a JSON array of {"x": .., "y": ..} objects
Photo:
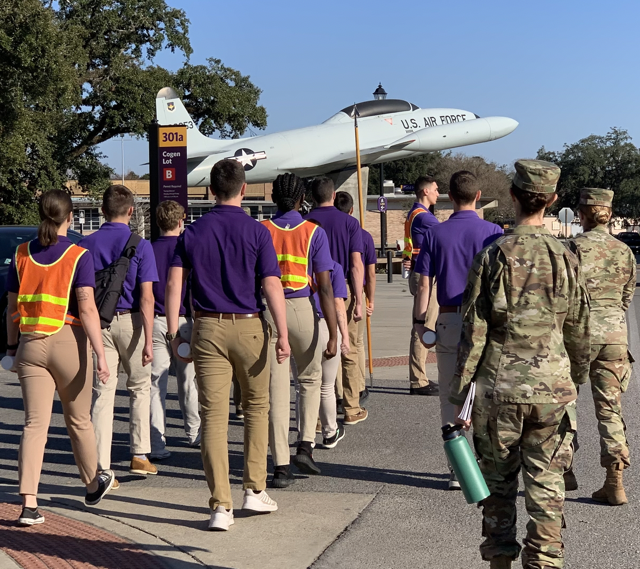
[
  {"x": 43, "y": 297},
  {"x": 292, "y": 248},
  {"x": 409, "y": 251}
]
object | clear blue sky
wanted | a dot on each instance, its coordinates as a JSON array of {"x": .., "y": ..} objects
[{"x": 564, "y": 70}]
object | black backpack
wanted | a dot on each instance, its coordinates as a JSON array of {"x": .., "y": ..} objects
[{"x": 110, "y": 282}]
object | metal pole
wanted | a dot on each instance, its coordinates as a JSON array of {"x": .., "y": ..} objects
[
  {"x": 383, "y": 216},
  {"x": 389, "y": 266},
  {"x": 154, "y": 182},
  {"x": 122, "y": 154}
]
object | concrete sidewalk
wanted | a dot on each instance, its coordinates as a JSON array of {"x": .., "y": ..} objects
[{"x": 381, "y": 500}]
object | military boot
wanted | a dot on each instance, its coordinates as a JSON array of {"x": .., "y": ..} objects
[
  {"x": 501, "y": 562},
  {"x": 613, "y": 490}
]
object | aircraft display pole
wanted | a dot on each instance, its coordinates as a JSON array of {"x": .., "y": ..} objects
[{"x": 361, "y": 204}]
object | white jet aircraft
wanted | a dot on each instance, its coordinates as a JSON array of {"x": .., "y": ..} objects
[{"x": 389, "y": 129}]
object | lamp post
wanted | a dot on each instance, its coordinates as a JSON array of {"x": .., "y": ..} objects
[{"x": 380, "y": 94}]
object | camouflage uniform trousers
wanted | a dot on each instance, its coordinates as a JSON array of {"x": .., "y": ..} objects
[
  {"x": 537, "y": 439},
  {"x": 609, "y": 374}
]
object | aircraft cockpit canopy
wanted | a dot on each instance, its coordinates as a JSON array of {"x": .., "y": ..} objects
[{"x": 374, "y": 108}]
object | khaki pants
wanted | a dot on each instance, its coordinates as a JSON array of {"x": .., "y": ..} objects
[
  {"x": 306, "y": 349},
  {"x": 187, "y": 388},
  {"x": 123, "y": 343},
  {"x": 45, "y": 364},
  {"x": 352, "y": 374},
  {"x": 417, "y": 351},
  {"x": 328, "y": 411},
  {"x": 448, "y": 330},
  {"x": 220, "y": 348}
]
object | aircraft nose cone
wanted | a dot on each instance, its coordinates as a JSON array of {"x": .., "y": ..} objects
[{"x": 501, "y": 126}]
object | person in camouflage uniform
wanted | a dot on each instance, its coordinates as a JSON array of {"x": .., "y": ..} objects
[
  {"x": 609, "y": 267},
  {"x": 525, "y": 342}
]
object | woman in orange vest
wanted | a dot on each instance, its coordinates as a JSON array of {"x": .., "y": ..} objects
[
  {"x": 303, "y": 253},
  {"x": 52, "y": 352}
]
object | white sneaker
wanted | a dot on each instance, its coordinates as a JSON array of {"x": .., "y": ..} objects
[
  {"x": 258, "y": 501},
  {"x": 221, "y": 519}
]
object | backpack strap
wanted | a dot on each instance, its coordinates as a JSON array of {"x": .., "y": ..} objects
[{"x": 129, "y": 251}]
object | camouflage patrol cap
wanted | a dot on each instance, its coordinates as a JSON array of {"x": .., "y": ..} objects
[
  {"x": 596, "y": 196},
  {"x": 536, "y": 176}
]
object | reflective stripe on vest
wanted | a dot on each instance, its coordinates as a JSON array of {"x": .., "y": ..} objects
[
  {"x": 43, "y": 297},
  {"x": 292, "y": 248},
  {"x": 409, "y": 250}
]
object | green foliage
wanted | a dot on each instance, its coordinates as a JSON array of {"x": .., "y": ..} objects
[
  {"x": 76, "y": 73},
  {"x": 611, "y": 161},
  {"x": 404, "y": 171}
]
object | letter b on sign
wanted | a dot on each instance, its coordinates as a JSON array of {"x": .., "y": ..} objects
[{"x": 168, "y": 174}]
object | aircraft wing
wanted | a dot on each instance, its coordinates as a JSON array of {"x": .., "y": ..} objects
[{"x": 301, "y": 163}]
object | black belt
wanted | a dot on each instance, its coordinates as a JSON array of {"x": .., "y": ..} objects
[
  {"x": 225, "y": 315},
  {"x": 130, "y": 311}
]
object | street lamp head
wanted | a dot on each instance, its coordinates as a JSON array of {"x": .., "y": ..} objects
[{"x": 379, "y": 94}]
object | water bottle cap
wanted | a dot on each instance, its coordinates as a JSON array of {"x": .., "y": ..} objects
[
  {"x": 429, "y": 337},
  {"x": 450, "y": 432},
  {"x": 184, "y": 350}
]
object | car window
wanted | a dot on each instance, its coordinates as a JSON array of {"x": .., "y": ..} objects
[{"x": 10, "y": 238}]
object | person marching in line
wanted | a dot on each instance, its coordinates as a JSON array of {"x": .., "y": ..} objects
[
  {"x": 129, "y": 338},
  {"x": 525, "y": 342},
  {"x": 170, "y": 220},
  {"x": 419, "y": 220},
  {"x": 50, "y": 299},
  {"x": 230, "y": 257},
  {"x": 609, "y": 267},
  {"x": 446, "y": 255},
  {"x": 345, "y": 242},
  {"x": 344, "y": 202},
  {"x": 304, "y": 257}
]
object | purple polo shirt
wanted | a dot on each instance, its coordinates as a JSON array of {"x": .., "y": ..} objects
[
  {"x": 420, "y": 224},
  {"x": 319, "y": 253},
  {"x": 448, "y": 251},
  {"x": 228, "y": 253},
  {"x": 106, "y": 245},
  {"x": 343, "y": 232},
  {"x": 369, "y": 256},
  {"x": 339, "y": 287},
  {"x": 164, "y": 248},
  {"x": 83, "y": 277}
]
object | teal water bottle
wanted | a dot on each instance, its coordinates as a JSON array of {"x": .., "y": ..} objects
[{"x": 464, "y": 464}]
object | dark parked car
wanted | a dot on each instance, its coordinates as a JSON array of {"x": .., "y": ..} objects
[
  {"x": 632, "y": 239},
  {"x": 10, "y": 237}
]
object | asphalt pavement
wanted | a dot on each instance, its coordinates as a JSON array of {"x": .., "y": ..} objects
[{"x": 381, "y": 500}]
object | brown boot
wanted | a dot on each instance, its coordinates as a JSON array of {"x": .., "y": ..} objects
[
  {"x": 501, "y": 562},
  {"x": 612, "y": 491}
]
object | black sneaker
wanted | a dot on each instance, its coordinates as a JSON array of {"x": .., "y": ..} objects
[
  {"x": 282, "y": 477},
  {"x": 431, "y": 389},
  {"x": 364, "y": 395},
  {"x": 304, "y": 460},
  {"x": 30, "y": 517},
  {"x": 105, "y": 482},
  {"x": 339, "y": 407},
  {"x": 331, "y": 442}
]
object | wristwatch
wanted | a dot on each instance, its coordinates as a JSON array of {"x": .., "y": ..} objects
[
  {"x": 171, "y": 337},
  {"x": 418, "y": 321}
]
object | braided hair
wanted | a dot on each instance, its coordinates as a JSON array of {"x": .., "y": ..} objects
[{"x": 288, "y": 190}]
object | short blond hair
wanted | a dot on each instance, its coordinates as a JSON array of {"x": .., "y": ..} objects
[{"x": 168, "y": 215}]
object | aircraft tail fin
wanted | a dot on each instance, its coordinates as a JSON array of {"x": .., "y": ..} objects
[{"x": 170, "y": 110}]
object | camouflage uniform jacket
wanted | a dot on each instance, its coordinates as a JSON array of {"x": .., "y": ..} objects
[
  {"x": 525, "y": 334},
  {"x": 609, "y": 269}
]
